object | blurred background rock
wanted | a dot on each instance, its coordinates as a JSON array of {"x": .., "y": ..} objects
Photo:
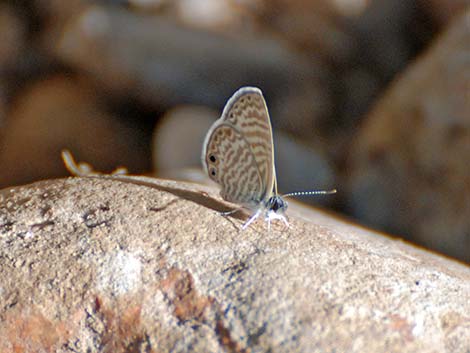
[{"x": 369, "y": 96}]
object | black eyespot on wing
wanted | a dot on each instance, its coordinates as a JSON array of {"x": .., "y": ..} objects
[
  {"x": 213, "y": 172},
  {"x": 212, "y": 158}
]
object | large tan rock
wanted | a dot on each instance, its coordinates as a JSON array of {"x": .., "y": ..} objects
[
  {"x": 410, "y": 161},
  {"x": 127, "y": 264}
]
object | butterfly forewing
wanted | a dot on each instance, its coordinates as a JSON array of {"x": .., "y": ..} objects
[
  {"x": 247, "y": 111},
  {"x": 230, "y": 163}
]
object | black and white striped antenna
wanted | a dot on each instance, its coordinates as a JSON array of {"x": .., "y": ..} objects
[{"x": 305, "y": 193}]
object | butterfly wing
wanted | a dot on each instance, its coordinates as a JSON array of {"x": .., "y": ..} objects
[
  {"x": 229, "y": 161},
  {"x": 247, "y": 113}
]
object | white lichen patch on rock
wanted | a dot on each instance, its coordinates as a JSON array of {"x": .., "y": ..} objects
[{"x": 119, "y": 273}]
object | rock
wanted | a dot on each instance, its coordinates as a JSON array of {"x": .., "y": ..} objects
[
  {"x": 3, "y": 109},
  {"x": 384, "y": 49},
  {"x": 13, "y": 33},
  {"x": 214, "y": 14},
  {"x": 317, "y": 28},
  {"x": 55, "y": 10},
  {"x": 119, "y": 264},
  {"x": 410, "y": 160},
  {"x": 443, "y": 11},
  {"x": 58, "y": 113},
  {"x": 178, "y": 138},
  {"x": 164, "y": 64},
  {"x": 54, "y": 15},
  {"x": 149, "y": 5}
]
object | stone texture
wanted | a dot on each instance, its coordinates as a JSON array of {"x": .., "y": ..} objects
[
  {"x": 410, "y": 160},
  {"x": 127, "y": 264},
  {"x": 58, "y": 113}
]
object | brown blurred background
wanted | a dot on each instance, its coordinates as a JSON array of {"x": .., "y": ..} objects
[{"x": 369, "y": 96}]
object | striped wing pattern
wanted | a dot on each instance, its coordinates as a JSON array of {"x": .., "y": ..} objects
[
  {"x": 247, "y": 111},
  {"x": 239, "y": 149},
  {"x": 231, "y": 164}
]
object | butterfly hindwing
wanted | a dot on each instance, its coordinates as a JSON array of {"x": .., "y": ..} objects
[{"x": 230, "y": 162}]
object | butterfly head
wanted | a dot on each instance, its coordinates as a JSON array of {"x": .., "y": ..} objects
[{"x": 276, "y": 204}]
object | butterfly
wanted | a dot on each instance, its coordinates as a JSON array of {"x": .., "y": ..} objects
[{"x": 238, "y": 154}]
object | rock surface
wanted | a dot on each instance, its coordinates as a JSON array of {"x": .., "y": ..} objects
[
  {"x": 58, "y": 113},
  {"x": 159, "y": 62},
  {"x": 127, "y": 264},
  {"x": 410, "y": 162},
  {"x": 178, "y": 138},
  {"x": 444, "y": 10},
  {"x": 12, "y": 42}
]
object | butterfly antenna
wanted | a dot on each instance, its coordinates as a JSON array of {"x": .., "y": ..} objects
[{"x": 304, "y": 193}]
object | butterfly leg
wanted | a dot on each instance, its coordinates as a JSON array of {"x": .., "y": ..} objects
[
  {"x": 273, "y": 215},
  {"x": 284, "y": 219},
  {"x": 228, "y": 213},
  {"x": 252, "y": 219}
]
